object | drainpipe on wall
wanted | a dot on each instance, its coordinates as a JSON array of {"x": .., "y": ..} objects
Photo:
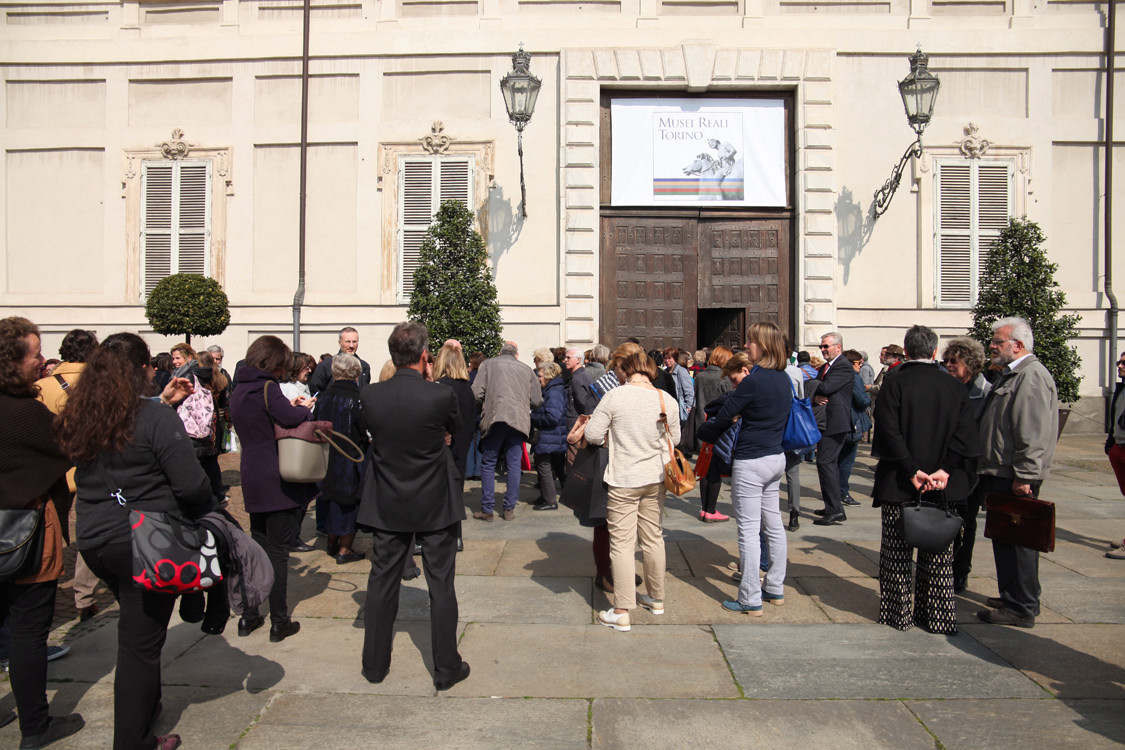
[
  {"x": 1107, "y": 149},
  {"x": 299, "y": 296}
]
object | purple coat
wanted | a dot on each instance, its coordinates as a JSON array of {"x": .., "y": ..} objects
[{"x": 262, "y": 487}]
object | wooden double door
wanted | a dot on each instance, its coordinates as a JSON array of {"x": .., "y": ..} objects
[{"x": 691, "y": 281}]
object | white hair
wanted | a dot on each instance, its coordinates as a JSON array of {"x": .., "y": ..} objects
[
  {"x": 215, "y": 349},
  {"x": 837, "y": 339},
  {"x": 1021, "y": 331}
]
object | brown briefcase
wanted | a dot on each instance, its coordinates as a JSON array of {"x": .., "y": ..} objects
[{"x": 1024, "y": 521}]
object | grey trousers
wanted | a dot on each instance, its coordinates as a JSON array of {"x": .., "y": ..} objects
[{"x": 754, "y": 492}]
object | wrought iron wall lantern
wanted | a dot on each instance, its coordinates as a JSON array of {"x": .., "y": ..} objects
[
  {"x": 919, "y": 93},
  {"x": 520, "y": 89}
]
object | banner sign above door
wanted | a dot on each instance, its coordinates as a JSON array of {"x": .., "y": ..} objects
[{"x": 698, "y": 152}]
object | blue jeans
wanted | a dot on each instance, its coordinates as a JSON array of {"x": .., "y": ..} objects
[
  {"x": 754, "y": 493},
  {"x": 472, "y": 459},
  {"x": 507, "y": 440}
]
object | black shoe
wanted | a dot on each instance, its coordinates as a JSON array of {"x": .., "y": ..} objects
[
  {"x": 849, "y": 501},
  {"x": 460, "y": 544},
  {"x": 60, "y": 727},
  {"x": 279, "y": 633},
  {"x": 302, "y": 547},
  {"x": 819, "y": 512},
  {"x": 85, "y": 613},
  {"x": 794, "y": 520},
  {"x": 461, "y": 675},
  {"x": 373, "y": 678},
  {"x": 412, "y": 574},
  {"x": 544, "y": 506},
  {"x": 1002, "y": 617},
  {"x": 350, "y": 557},
  {"x": 830, "y": 519},
  {"x": 247, "y": 625}
]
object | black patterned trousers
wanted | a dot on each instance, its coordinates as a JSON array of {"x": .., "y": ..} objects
[{"x": 932, "y": 606}]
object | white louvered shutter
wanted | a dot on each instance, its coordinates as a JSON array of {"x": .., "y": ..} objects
[
  {"x": 175, "y": 219},
  {"x": 954, "y": 245},
  {"x": 973, "y": 204},
  {"x": 424, "y": 183},
  {"x": 994, "y": 206}
]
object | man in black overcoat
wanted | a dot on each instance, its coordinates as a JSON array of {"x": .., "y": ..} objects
[
  {"x": 411, "y": 492},
  {"x": 835, "y": 395}
]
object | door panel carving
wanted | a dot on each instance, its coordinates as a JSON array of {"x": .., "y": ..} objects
[
  {"x": 649, "y": 281},
  {"x": 748, "y": 267}
]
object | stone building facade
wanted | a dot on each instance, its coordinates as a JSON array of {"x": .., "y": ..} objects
[{"x": 142, "y": 138}]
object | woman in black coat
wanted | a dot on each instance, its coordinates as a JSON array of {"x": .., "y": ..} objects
[
  {"x": 131, "y": 453},
  {"x": 32, "y": 476},
  {"x": 709, "y": 385},
  {"x": 342, "y": 487}
]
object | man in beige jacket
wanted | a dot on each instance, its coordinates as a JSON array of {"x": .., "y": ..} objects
[{"x": 1018, "y": 431}]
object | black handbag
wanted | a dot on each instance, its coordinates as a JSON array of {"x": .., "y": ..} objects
[
  {"x": 928, "y": 526},
  {"x": 585, "y": 491},
  {"x": 21, "y": 542}
]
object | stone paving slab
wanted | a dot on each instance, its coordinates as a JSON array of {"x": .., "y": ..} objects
[
  {"x": 1070, "y": 661},
  {"x": 698, "y": 601},
  {"x": 844, "y": 600},
  {"x": 858, "y": 661},
  {"x": 480, "y": 557},
  {"x": 1019, "y": 724},
  {"x": 569, "y": 661},
  {"x": 1084, "y": 599},
  {"x": 555, "y": 555},
  {"x": 973, "y": 600},
  {"x": 1081, "y": 559},
  {"x": 362, "y": 721},
  {"x": 841, "y": 725},
  {"x": 1084, "y": 507},
  {"x": 324, "y": 657},
  {"x": 557, "y": 601},
  {"x": 203, "y": 717},
  {"x": 93, "y": 650}
]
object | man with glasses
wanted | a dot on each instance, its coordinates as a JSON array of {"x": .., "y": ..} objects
[
  {"x": 834, "y": 395},
  {"x": 1018, "y": 431}
]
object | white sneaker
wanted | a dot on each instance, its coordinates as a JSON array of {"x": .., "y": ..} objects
[
  {"x": 611, "y": 619},
  {"x": 652, "y": 605}
]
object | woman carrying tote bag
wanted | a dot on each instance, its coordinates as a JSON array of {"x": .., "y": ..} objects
[
  {"x": 32, "y": 475},
  {"x": 275, "y": 506},
  {"x": 127, "y": 447},
  {"x": 628, "y": 420}
]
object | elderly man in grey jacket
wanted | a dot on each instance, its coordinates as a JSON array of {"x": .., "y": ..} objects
[
  {"x": 1018, "y": 430},
  {"x": 507, "y": 390}
]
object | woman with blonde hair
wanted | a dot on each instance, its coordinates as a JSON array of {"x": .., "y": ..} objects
[
  {"x": 450, "y": 370},
  {"x": 761, "y": 400},
  {"x": 631, "y": 420}
]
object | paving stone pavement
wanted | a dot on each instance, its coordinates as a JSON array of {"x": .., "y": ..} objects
[{"x": 817, "y": 671}]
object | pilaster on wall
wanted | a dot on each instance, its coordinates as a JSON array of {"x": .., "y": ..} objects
[{"x": 701, "y": 67}]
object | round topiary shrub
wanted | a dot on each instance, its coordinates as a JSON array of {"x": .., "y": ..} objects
[{"x": 187, "y": 304}]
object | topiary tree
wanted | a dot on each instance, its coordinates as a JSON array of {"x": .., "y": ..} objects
[
  {"x": 454, "y": 295},
  {"x": 188, "y": 304},
  {"x": 1020, "y": 280}
]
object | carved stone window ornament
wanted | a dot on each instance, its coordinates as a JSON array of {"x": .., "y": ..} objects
[
  {"x": 437, "y": 142},
  {"x": 177, "y": 147},
  {"x": 972, "y": 146}
]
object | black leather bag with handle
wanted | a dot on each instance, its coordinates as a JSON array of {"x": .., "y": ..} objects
[
  {"x": 931, "y": 527},
  {"x": 21, "y": 542}
]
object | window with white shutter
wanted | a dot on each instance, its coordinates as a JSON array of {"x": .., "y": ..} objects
[
  {"x": 425, "y": 182},
  {"x": 175, "y": 219},
  {"x": 973, "y": 202}
]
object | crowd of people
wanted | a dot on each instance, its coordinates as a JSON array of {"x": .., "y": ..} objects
[{"x": 128, "y": 431}]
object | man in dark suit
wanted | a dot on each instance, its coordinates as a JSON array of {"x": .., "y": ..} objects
[
  {"x": 349, "y": 344},
  {"x": 834, "y": 394},
  {"x": 411, "y": 492}
]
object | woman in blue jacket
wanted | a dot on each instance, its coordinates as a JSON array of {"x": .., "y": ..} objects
[
  {"x": 761, "y": 399},
  {"x": 549, "y": 418}
]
